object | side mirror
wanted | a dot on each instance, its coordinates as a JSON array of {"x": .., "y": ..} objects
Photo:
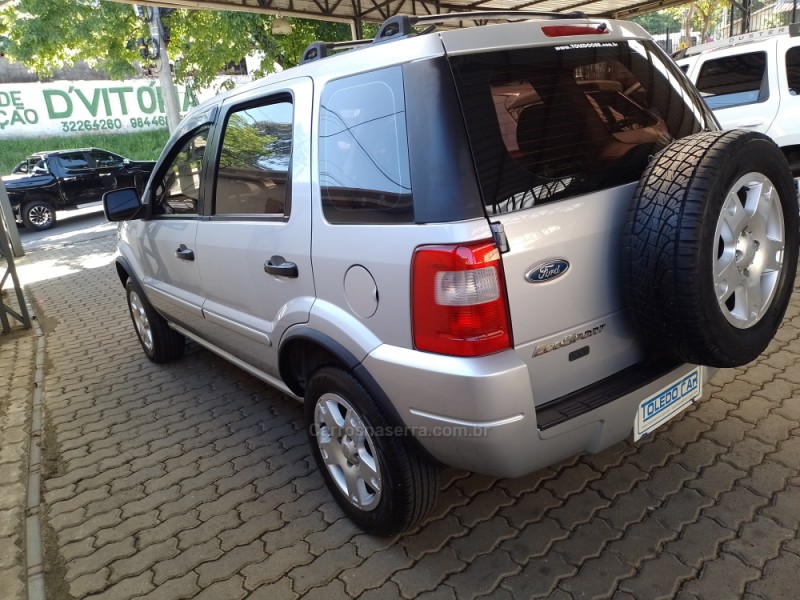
[{"x": 121, "y": 205}]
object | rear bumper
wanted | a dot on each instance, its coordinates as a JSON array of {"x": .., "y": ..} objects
[{"x": 478, "y": 414}]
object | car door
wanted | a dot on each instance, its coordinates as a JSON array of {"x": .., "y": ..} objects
[
  {"x": 79, "y": 181},
  {"x": 167, "y": 239},
  {"x": 740, "y": 86},
  {"x": 111, "y": 170},
  {"x": 253, "y": 250}
]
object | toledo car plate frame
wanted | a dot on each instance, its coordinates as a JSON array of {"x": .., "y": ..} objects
[{"x": 666, "y": 403}]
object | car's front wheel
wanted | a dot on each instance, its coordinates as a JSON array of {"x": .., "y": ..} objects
[
  {"x": 159, "y": 342},
  {"x": 375, "y": 475},
  {"x": 38, "y": 215}
]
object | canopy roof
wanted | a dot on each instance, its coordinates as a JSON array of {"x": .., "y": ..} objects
[{"x": 379, "y": 10}]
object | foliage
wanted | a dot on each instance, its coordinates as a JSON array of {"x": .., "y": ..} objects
[
  {"x": 45, "y": 35},
  {"x": 701, "y": 16},
  {"x": 140, "y": 145},
  {"x": 658, "y": 22}
]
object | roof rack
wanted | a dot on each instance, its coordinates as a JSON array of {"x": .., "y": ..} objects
[
  {"x": 400, "y": 26},
  {"x": 317, "y": 50},
  {"x": 793, "y": 30}
]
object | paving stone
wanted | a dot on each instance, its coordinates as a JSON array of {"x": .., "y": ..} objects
[
  {"x": 186, "y": 502},
  {"x": 324, "y": 568},
  {"x": 530, "y": 508},
  {"x": 277, "y": 564},
  {"x": 427, "y": 573},
  {"x": 482, "y": 507},
  {"x": 186, "y": 561},
  {"x": 659, "y": 578},
  {"x": 699, "y": 542},
  {"x": 89, "y": 584},
  {"x": 724, "y": 577},
  {"x": 334, "y": 536},
  {"x": 332, "y": 589},
  {"x": 207, "y": 530},
  {"x": 280, "y": 590},
  {"x": 586, "y": 541},
  {"x": 539, "y": 577},
  {"x": 767, "y": 478},
  {"x": 180, "y": 588},
  {"x": 785, "y": 508},
  {"x": 127, "y": 528},
  {"x": 716, "y": 479},
  {"x": 619, "y": 480},
  {"x": 230, "y": 563},
  {"x": 375, "y": 570},
  {"x": 231, "y": 589},
  {"x": 641, "y": 541},
  {"x": 432, "y": 537},
  {"x": 482, "y": 539},
  {"x": 144, "y": 559},
  {"x": 758, "y": 542},
  {"x": 387, "y": 591},
  {"x": 11, "y": 583},
  {"x": 77, "y": 549},
  {"x": 291, "y": 532},
  {"x": 167, "y": 529},
  {"x": 597, "y": 578},
  {"x": 250, "y": 530},
  {"x": 534, "y": 540},
  {"x": 681, "y": 508},
  {"x": 89, "y": 527},
  {"x": 151, "y": 502},
  {"x": 99, "y": 559},
  {"x": 578, "y": 508}
]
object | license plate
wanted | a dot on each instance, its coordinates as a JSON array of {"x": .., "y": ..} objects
[{"x": 665, "y": 404}]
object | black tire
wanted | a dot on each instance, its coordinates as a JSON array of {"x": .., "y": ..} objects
[
  {"x": 159, "y": 342},
  {"x": 38, "y": 215},
  {"x": 694, "y": 277},
  {"x": 367, "y": 444}
]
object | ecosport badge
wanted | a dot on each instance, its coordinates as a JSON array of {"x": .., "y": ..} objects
[{"x": 547, "y": 271}]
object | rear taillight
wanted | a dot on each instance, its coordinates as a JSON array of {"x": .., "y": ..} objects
[{"x": 459, "y": 300}]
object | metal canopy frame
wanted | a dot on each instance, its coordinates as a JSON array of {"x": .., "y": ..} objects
[{"x": 377, "y": 11}]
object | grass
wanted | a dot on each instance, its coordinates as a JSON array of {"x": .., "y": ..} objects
[{"x": 141, "y": 145}]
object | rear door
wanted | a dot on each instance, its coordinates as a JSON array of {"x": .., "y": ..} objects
[
  {"x": 740, "y": 85},
  {"x": 254, "y": 249},
  {"x": 560, "y": 136},
  {"x": 79, "y": 180}
]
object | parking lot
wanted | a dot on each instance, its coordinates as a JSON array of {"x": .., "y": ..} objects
[{"x": 193, "y": 480}]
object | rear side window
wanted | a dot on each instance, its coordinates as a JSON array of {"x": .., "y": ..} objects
[
  {"x": 253, "y": 172},
  {"x": 552, "y": 123},
  {"x": 363, "y": 150},
  {"x": 734, "y": 80},
  {"x": 73, "y": 162},
  {"x": 793, "y": 69}
]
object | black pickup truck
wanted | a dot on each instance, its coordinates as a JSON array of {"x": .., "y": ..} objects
[{"x": 67, "y": 179}]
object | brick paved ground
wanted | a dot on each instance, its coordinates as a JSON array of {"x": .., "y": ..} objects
[{"x": 192, "y": 480}]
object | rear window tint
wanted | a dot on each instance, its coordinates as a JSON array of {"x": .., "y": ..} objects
[
  {"x": 363, "y": 149},
  {"x": 733, "y": 80},
  {"x": 551, "y": 123}
]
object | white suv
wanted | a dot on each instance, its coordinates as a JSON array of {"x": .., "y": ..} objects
[
  {"x": 752, "y": 81},
  {"x": 490, "y": 248}
]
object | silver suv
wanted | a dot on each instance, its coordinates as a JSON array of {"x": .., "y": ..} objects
[{"x": 489, "y": 248}]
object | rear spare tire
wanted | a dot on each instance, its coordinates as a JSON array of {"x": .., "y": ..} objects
[{"x": 710, "y": 248}]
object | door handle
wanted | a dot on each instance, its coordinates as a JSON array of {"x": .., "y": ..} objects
[
  {"x": 277, "y": 265},
  {"x": 70, "y": 178},
  {"x": 184, "y": 253},
  {"x": 750, "y": 123}
]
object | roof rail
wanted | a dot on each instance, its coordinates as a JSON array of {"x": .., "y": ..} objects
[
  {"x": 793, "y": 30},
  {"x": 402, "y": 25},
  {"x": 317, "y": 50}
]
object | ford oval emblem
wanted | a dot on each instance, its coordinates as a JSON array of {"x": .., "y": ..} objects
[{"x": 547, "y": 271}]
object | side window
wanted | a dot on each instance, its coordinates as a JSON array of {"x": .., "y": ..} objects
[
  {"x": 178, "y": 191},
  {"x": 793, "y": 69},
  {"x": 734, "y": 80},
  {"x": 74, "y": 162},
  {"x": 106, "y": 160},
  {"x": 363, "y": 150},
  {"x": 253, "y": 173}
]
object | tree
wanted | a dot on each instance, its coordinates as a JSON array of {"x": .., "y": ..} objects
[
  {"x": 45, "y": 35},
  {"x": 702, "y": 16}
]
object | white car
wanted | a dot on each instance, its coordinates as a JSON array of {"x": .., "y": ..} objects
[{"x": 752, "y": 81}]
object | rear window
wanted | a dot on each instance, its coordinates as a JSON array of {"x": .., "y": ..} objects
[
  {"x": 552, "y": 123},
  {"x": 733, "y": 80}
]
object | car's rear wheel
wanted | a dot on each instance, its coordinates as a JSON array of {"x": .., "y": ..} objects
[
  {"x": 159, "y": 342},
  {"x": 38, "y": 215},
  {"x": 374, "y": 474},
  {"x": 710, "y": 248}
]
